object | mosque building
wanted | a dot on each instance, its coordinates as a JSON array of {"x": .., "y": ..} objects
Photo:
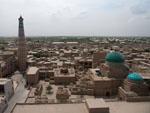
[
  {"x": 107, "y": 85},
  {"x": 114, "y": 78},
  {"x": 134, "y": 88},
  {"x": 116, "y": 66}
]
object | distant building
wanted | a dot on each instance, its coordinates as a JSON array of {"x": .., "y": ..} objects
[
  {"x": 83, "y": 63},
  {"x": 103, "y": 86},
  {"x": 98, "y": 58},
  {"x": 45, "y": 73},
  {"x": 134, "y": 88},
  {"x": 3, "y": 104},
  {"x": 106, "y": 84},
  {"x": 6, "y": 88},
  {"x": 32, "y": 75},
  {"x": 58, "y": 44},
  {"x": 22, "y": 49},
  {"x": 62, "y": 94},
  {"x": 7, "y": 63},
  {"x": 64, "y": 76}
]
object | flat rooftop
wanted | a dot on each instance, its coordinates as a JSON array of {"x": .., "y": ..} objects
[
  {"x": 114, "y": 107},
  {"x": 4, "y": 81},
  {"x": 129, "y": 107},
  {"x": 51, "y": 108},
  {"x": 32, "y": 70},
  {"x": 58, "y": 42},
  {"x": 7, "y": 53},
  {"x": 70, "y": 73},
  {"x": 96, "y": 103},
  {"x": 95, "y": 77}
]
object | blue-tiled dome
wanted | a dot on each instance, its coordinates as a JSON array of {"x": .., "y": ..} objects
[
  {"x": 135, "y": 77},
  {"x": 115, "y": 57}
]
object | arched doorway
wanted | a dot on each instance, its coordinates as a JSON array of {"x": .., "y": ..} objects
[{"x": 107, "y": 94}]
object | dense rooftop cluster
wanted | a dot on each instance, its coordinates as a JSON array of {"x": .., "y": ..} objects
[{"x": 74, "y": 74}]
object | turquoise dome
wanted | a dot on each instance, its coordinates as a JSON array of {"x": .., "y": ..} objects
[
  {"x": 114, "y": 57},
  {"x": 135, "y": 77}
]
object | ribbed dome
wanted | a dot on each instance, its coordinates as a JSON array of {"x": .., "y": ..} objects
[
  {"x": 135, "y": 77},
  {"x": 115, "y": 57}
]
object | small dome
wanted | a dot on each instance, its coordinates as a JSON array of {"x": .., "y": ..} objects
[
  {"x": 135, "y": 77},
  {"x": 115, "y": 57}
]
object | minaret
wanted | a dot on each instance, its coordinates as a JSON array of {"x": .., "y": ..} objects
[{"x": 22, "y": 50}]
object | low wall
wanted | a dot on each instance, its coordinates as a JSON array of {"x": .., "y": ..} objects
[
  {"x": 138, "y": 99},
  {"x": 124, "y": 96}
]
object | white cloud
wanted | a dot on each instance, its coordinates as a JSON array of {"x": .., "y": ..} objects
[
  {"x": 76, "y": 17},
  {"x": 141, "y": 7}
]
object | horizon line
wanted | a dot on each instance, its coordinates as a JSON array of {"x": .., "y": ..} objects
[{"x": 75, "y": 36}]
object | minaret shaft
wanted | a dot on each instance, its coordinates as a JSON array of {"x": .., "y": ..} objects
[{"x": 22, "y": 50}]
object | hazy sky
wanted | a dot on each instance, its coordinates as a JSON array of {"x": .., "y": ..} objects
[{"x": 76, "y": 17}]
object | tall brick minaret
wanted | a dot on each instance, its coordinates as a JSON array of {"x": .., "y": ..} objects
[{"x": 22, "y": 49}]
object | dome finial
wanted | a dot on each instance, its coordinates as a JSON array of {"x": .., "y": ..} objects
[{"x": 20, "y": 18}]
